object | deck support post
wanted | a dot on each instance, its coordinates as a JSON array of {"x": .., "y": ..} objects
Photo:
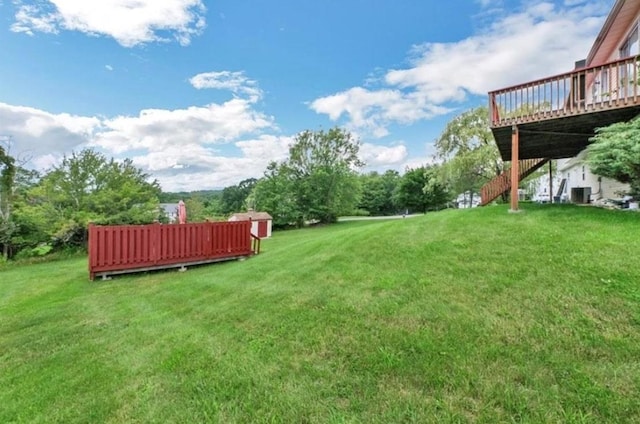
[
  {"x": 550, "y": 181},
  {"x": 515, "y": 167}
]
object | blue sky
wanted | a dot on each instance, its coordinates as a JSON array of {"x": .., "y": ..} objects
[{"x": 204, "y": 93}]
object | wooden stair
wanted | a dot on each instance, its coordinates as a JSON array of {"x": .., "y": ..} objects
[
  {"x": 563, "y": 183},
  {"x": 502, "y": 183}
]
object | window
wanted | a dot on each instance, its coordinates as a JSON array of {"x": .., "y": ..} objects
[
  {"x": 627, "y": 73},
  {"x": 582, "y": 172},
  {"x": 600, "y": 87},
  {"x": 631, "y": 44}
]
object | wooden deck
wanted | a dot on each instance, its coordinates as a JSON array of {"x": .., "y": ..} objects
[
  {"x": 134, "y": 248},
  {"x": 557, "y": 116}
]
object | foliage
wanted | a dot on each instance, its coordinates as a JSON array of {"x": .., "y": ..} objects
[
  {"x": 378, "y": 193},
  {"x": 196, "y": 211},
  {"x": 275, "y": 193},
  {"x": 175, "y": 197},
  {"x": 317, "y": 182},
  {"x": 7, "y": 181},
  {"x": 86, "y": 187},
  {"x": 415, "y": 320},
  {"x": 38, "y": 251},
  {"x": 421, "y": 190},
  {"x": 323, "y": 165},
  {"x": 467, "y": 172},
  {"x": 234, "y": 197},
  {"x": 471, "y": 157},
  {"x": 615, "y": 153}
]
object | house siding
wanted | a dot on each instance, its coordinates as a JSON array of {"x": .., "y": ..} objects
[
  {"x": 606, "y": 84},
  {"x": 574, "y": 170},
  {"x": 601, "y": 187}
]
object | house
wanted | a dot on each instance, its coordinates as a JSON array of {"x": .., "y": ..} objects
[
  {"x": 170, "y": 210},
  {"x": 583, "y": 186},
  {"x": 574, "y": 182},
  {"x": 261, "y": 222},
  {"x": 554, "y": 117},
  {"x": 546, "y": 188},
  {"x": 467, "y": 200}
]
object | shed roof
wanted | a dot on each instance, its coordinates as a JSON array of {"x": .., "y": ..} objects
[{"x": 251, "y": 216}]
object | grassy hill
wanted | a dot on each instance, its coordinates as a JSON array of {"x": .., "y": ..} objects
[{"x": 457, "y": 316}]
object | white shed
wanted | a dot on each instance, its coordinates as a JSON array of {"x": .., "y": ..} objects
[{"x": 261, "y": 222}]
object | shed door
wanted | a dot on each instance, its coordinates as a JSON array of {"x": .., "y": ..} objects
[{"x": 262, "y": 229}]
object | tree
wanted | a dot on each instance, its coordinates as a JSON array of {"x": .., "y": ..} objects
[
  {"x": 323, "y": 165},
  {"x": 436, "y": 195},
  {"x": 318, "y": 181},
  {"x": 7, "y": 183},
  {"x": 420, "y": 190},
  {"x": 276, "y": 194},
  {"x": 234, "y": 197},
  {"x": 615, "y": 153},
  {"x": 378, "y": 193},
  {"x": 28, "y": 231},
  {"x": 87, "y": 187},
  {"x": 14, "y": 180},
  {"x": 196, "y": 211},
  {"x": 469, "y": 152}
]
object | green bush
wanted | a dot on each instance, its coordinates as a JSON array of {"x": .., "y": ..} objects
[{"x": 38, "y": 251}]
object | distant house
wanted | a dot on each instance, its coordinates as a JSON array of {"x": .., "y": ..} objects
[
  {"x": 467, "y": 200},
  {"x": 261, "y": 222},
  {"x": 539, "y": 188},
  {"x": 170, "y": 210}
]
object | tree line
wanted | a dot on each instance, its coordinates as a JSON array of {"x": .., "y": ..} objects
[{"x": 320, "y": 181}]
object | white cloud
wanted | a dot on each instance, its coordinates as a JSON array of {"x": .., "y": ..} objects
[
  {"x": 181, "y": 148},
  {"x": 129, "y": 22},
  {"x": 47, "y": 161},
  {"x": 266, "y": 148},
  {"x": 191, "y": 166},
  {"x": 158, "y": 129},
  {"x": 108, "y": 68},
  {"x": 376, "y": 156},
  {"x": 373, "y": 110},
  {"x": 541, "y": 40},
  {"x": 185, "y": 149},
  {"x": 236, "y": 82},
  {"x": 489, "y": 3},
  {"x": 417, "y": 162},
  {"x": 36, "y": 132},
  {"x": 538, "y": 42}
]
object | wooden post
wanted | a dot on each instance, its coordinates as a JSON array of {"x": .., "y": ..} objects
[
  {"x": 515, "y": 167},
  {"x": 550, "y": 181}
]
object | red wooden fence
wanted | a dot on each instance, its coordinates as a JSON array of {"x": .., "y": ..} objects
[{"x": 130, "y": 248}]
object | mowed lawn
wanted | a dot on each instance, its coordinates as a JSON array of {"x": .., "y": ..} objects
[{"x": 457, "y": 316}]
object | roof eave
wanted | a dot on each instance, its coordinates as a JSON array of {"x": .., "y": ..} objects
[{"x": 605, "y": 30}]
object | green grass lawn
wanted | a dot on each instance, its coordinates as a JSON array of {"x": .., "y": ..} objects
[{"x": 457, "y": 316}]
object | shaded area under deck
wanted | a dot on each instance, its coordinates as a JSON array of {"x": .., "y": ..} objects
[{"x": 562, "y": 137}]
